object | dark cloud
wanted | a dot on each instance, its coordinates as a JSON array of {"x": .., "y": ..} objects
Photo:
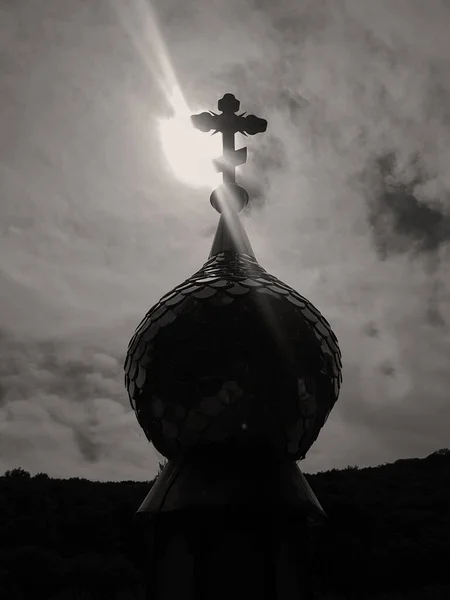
[
  {"x": 434, "y": 314},
  {"x": 400, "y": 222},
  {"x": 295, "y": 104},
  {"x": 67, "y": 402},
  {"x": 387, "y": 368},
  {"x": 370, "y": 329},
  {"x": 268, "y": 156},
  {"x": 90, "y": 451}
]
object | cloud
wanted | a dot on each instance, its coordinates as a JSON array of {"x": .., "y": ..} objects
[
  {"x": 350, "y": 205},
  {"x": 402, "y": 217},
  {"x": 64, "y": 411}
]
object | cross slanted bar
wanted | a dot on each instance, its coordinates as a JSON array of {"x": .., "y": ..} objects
[{"x": 228, "y": 123}]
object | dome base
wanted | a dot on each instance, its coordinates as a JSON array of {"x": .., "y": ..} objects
[
  {"x": 223, "y": 527},
  {"x": 219, "y": 479}
]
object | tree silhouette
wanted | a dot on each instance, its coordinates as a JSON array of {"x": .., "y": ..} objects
[{"x": 387, "y": 534}]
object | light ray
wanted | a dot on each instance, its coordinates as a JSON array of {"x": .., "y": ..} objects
[{"x": 188, "y": 152}]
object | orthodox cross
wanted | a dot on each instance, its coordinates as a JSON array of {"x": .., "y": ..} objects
[{"x": 228, "y": 123}]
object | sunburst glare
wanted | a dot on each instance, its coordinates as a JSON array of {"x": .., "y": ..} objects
[{"x": 188, "y": 151}]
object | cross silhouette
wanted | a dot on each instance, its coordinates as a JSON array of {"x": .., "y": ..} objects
[{"x": 228, "y": 123}]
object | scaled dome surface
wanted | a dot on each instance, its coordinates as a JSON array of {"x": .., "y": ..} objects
[{"x": 233, "y": 358}]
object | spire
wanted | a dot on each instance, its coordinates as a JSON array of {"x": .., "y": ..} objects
[
  {"x": 229, "y": 198},
  {"x": 230, "y": 235}
]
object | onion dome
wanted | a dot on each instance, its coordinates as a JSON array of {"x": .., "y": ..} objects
[{"x": 233, "y": 359}]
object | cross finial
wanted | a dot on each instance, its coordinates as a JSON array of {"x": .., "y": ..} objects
[{"x": 228, "y": 123}]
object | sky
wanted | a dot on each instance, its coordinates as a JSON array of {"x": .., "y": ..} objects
[{"x": 350, "y": 205}]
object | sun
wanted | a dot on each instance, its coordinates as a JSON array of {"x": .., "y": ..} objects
[{"x": 188, "y": 151}]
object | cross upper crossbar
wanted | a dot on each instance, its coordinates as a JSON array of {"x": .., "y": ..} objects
[{"x": 228, "y": 123}]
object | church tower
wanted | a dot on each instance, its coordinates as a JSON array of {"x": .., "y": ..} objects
[{"x": 232, "y": 375}]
